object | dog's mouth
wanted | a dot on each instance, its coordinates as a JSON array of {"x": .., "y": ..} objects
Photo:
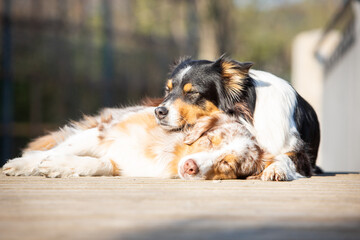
[{"x": 169, "y": 127}]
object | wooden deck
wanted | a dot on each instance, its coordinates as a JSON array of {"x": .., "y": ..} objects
[{"x": 322, "y": 207}]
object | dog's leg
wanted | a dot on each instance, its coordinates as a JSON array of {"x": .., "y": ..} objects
[
  {"x": 26, "y": 165},
  {"x": 75, "y": 166},
  {"x": 82, "y": 143},
  {"x": 282, "y": 169}
]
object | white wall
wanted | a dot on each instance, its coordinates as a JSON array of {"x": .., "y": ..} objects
[
  {"x": 341, "y": 110},
  {"x": 335, "y": 95}
]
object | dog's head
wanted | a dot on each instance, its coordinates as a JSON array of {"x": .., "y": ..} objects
[
  {"x": 200, "y": 88},
  {"x": 220, "y": 148}
]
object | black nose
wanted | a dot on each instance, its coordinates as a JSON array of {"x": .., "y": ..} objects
[{"x": 161, "y": 112}]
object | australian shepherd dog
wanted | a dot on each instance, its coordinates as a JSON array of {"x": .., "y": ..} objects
[
  {"x": 130, "y": 142},
  {"x": 218, "y": 120}
]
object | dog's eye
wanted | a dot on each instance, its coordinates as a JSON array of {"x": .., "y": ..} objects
[
  {"x": 193, "y": 94},
  {"x": 228, "y": 163},
  {"x": 167, "y": 91}
]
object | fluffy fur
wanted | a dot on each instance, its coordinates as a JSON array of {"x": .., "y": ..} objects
[
  {"x": 283, "y": 123},
  {"x": 129, "y": 142}
]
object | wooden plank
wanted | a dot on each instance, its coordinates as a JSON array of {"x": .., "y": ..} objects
[{"x": 321, "y": 207}]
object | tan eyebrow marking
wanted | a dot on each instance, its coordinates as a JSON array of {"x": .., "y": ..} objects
[
  {"x": 187, "y": 87},
  {"x": 169, "y": 84}
]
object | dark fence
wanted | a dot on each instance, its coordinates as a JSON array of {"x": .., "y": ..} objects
[{"x": 63, "y": 58}]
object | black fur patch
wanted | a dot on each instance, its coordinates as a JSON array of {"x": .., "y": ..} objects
[{"x": 308, "y": 127}]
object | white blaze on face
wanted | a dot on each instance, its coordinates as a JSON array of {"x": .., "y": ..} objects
[
  {"x": 173, "y": 117},
  {"x": 182, "y": 73}
]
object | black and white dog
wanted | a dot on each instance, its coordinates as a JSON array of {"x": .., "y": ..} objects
[{"x": 283, "y": 123}]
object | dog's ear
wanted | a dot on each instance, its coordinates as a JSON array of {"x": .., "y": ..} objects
[
  {"x": 203, "y": 125},
  {"x": 234, "y": 77},
  {"x": 233, "y": 73},
  {"x": 229, "y": 66}
]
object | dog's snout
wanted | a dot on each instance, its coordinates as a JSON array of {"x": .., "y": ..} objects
[
  {"x": 161, "y": 112},
  {"x": 190, "y": 167}
]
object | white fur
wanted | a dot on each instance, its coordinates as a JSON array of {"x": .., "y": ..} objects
[
  {"x": 273, "y": 116},
  {"x": 173, "y": 116},
  {"x": 183, "y": 72},
  {"x": 283, "y": 169},
  {"x": 274, "y": 125}
]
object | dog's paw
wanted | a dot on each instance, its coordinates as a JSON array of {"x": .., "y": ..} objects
[
  {"x": 56, "y": 167},
  {"x": 274, "y": 172},
  {"x": 281, "y": 170},
  {"x": 21, "y": 167}
]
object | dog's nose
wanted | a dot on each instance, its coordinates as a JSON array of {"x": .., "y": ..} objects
[
  {"x": 190, "y": 167},
  {"x": 161, "y": 112}
]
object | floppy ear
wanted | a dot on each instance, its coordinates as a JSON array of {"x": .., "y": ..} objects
[
  {"x": 234, "y": 76},
  {"x": 203, "y": 125},
  {"x": 229, "y": 66}
]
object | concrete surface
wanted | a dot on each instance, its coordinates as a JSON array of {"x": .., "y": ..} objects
[{"x": 321, "y": 207}]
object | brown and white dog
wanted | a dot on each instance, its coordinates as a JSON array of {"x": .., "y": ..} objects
[{"x": 130, "y": 142}]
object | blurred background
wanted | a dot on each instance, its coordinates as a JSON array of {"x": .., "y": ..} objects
[{"x": 63, "y": 58}]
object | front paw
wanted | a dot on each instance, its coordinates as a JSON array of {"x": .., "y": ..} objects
[
  {"x": 21, "y": 167},
  {"x": 274, "y": 172},
  {"x": 55, "y": 167},
  {"x": 283, "y": 169}
]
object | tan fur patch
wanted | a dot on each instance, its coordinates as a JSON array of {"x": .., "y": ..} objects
[
  {"x": 224, "y": 169},
  {"x": 191, "y": 113},
  {"x": 234, "y": 78},
  {"x": 51, "y": 140},
  {"x": 42, "y": 143},
  {"x": 115, "y": 169},
  {"x": 87, "y": 123},
  {"x": 146, "y": 121},
  {"x": 218, "y": 172},
  {"x": 290, "y": 154},
  {"x": 106, "y": 118},
  {"x": 48, "y": 141},
  {"x": 169, "y": 84},
  {"x": 149, "y": 152},
  {"x": 216, "y": 140},
  {"x": 188, "y": 87}
]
